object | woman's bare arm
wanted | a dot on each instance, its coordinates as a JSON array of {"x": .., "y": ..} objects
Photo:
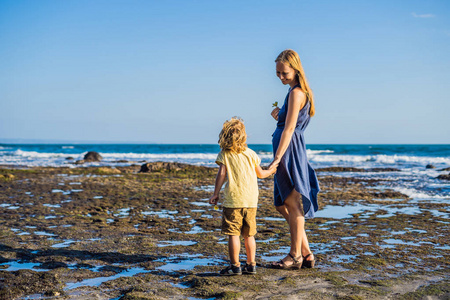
[{"x": 297, "y": 99}]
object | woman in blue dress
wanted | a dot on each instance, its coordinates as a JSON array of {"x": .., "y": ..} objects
[{"x": 295, "y": 183}]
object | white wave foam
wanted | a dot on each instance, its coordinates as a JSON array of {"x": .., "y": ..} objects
[
  {"x": 415, "y": 194},
  {"x": 308, "y": 151},
  {"x": 318, "y": 157},
  {"x": 381, "y": 159}
]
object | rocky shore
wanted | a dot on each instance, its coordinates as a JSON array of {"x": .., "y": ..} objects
[{"x": 117, "y": 233}]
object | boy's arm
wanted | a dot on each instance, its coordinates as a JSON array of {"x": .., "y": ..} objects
[
  {"x": 220, "y": 179},
  {"x": 265, "y": 173}
]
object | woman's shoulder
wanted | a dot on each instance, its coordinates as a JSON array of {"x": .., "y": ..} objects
[
  {"x": 298, "y": 92},
  {"x": 298, "y": 95}
]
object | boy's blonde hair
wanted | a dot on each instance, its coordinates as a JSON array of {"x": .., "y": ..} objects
[
  {"x": 291, "y": 58},
  {"x": 232, "y": 137}
]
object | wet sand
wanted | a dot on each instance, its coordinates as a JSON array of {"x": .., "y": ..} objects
[{"x": 114, "y": 233}]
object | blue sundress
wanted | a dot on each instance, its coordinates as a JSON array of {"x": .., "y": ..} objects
[{"x": 294, "y": 170}]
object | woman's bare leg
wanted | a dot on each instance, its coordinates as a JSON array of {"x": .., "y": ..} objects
[{"x": 305, "y": 250}]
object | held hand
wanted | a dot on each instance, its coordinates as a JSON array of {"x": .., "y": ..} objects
[
  {"x": 275, "y": 112},
  {"x": 214, "y": 199},
  {"x": 272, "y": 169},
  {"x": 274, "y": 164}
]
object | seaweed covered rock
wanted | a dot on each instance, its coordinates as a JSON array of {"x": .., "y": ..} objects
[
  {"x": 7, "y": 177},
  {"x": 444, "y": 177},
  {"x": 92, "y": 156},
  {"x": 430, "y": 166},
  {"x": 160, "y": 166}
]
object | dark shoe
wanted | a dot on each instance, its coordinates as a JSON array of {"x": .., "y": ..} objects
[
  {"x": 231, "y": 270},
  {"x": 308, "y": 263},
  {"x": 249, "y": 269},
  {"x": 296, "y": 263}
]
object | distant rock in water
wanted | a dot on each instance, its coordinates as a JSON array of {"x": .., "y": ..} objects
[
  {"x": 430, "y": 166},
  {"x": 444, "y": 177},
  {"x": 92, "y": 156},
  {"x": 445, "y": 169},
  {"x": 159, "y": 165},
  {"x": 121, "y": 161},
  {"x": 70, "y": 158},
  {"x": 79, "y": 162}
]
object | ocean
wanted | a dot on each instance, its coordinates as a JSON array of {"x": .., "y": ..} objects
[{"x": 412, "y": 177}]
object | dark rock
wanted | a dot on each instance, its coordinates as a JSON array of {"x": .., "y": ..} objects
[
  {"x": 159, "y": 166},
  {"x": 54, "y": 293},
  {"x": 444, "y": 177},
  {"x": 93, "y": 156},
  {"x": 121, "y": 161},
  {"x": 79, "y": 162},
  {"x": 430, "y": 166},
  {"x": 445, "y": 169},
  {"x": 53, "y": 265},
  {"x": 70, "y": 158}
]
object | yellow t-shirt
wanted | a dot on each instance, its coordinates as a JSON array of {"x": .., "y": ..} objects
[{"x": 241, "y": 188}]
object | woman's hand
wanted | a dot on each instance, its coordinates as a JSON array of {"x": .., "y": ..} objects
[
  {"x": 274, "y": 164},
  {"x": 275, "y": 112}
]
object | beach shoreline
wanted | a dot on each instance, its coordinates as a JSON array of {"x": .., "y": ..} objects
[{"x": 114, "y": 233}]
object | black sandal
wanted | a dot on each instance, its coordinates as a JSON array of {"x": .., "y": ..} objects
[
  {"x": 308, "y": 263},
  {"x": 297, "y": 263}
]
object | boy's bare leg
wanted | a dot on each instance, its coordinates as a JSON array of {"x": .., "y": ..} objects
[
  {"x": 234, "y": 246},
  {"x": 250, "y": 249}
]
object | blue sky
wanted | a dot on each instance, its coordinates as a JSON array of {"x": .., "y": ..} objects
[{"x": 174, "y": 71}]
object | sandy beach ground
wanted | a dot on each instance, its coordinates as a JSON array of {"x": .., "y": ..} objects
[{"x": 114, "y": 233}]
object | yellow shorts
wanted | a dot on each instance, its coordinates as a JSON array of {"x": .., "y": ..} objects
[{"x": 239, "y": 221}]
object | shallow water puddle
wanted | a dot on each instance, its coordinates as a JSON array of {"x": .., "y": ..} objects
[
  {"x": 52, "y": 205},
  {"x": 44, "y": 233},
  {"x": 64, "y": 244},
  {"x": 165, "y": 214},
  {"x": 196, "y": 229},
  {"x": 343, "y": 212},
  {"x": 206, "y": 188},
  {"x": 61, "y": 191},
  {"x": 123, "y": 212},
  {"x": 392, "y": 211},
  {"x": 343, "y": 258},
  {"x": 99, "y": 280},
  {"x": 178, "y": 285},
  {"x": 9, "y": 206},
  {"x": 271, "y": 219},
  {"x": 400, "y": 242},
  {"x": 16, "y": 266},
  {"x": 201, "y": 203},
  {"x": 178, "y": 264},
  {"x": 175, "y": 243}
]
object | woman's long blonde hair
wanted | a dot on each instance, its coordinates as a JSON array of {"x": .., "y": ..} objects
[
  {"x": 291, "y": 58},
  {"x": 233, "y": 137}
]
